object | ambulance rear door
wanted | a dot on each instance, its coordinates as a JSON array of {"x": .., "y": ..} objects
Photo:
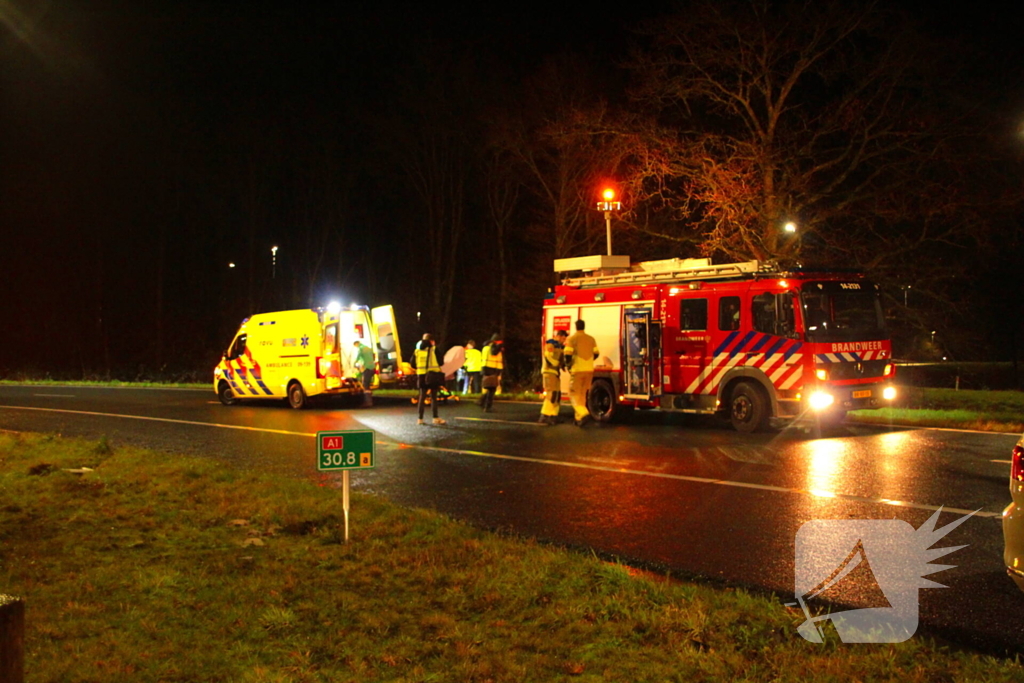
[{"x": 386, "y": 345}]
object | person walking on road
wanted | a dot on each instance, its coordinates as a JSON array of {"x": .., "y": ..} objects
[
  {"x": 367, "y": 367},
  {"x": 551, "y": 367},
  {"x": 580, "y": 353},
  {"x": 428, "y": 376},
  {"x": 473, "y": 367},
  {"x": 493, "y": 364}
]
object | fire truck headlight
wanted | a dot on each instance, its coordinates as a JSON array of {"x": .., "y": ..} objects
[
  {"x": 821, "y": 373},
  {"x": 889, "y": 393},
  {"x": 820, "y": 400}
]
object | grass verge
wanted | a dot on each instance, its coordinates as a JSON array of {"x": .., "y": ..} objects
[
  {"x": 152, "y": 567},
  {"x": 991, "y": 411}
]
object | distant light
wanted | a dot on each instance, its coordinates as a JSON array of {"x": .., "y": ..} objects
[
  {"x": 333, "y": 307},
  {"x": 273, "y": 250},
  {"x": 608, "y": 194},
  {"x": 789, "y": 227},
  {"x": 231, "y": 265}
]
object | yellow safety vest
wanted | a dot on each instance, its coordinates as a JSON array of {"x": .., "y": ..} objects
[
  {"x": 495, "y": 361},
  {"x": 426, "y": 361},
  {"x": 474, "y": 360}
]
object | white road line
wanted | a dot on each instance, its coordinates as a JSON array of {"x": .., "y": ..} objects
[
  {"x": 160, "y": 419},
  {"x": 512, "y": 422},
  {"x": 56, "y": 395},
  {"x": 1005, "y": 462},
  {"x": 542, "y": 461}
]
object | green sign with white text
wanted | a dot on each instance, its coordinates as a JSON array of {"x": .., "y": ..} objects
[{"x": 350, "y": 450}]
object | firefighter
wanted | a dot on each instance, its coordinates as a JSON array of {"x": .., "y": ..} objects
[
  {"x": 493, "y": 365},
  {"x": 366, "y": 365},
  {"x": 428, "y": 376},
  {"x": 580, "y": 354},
  {"x": 473, "y": 367},
  {"x": 551, "y": 367}
]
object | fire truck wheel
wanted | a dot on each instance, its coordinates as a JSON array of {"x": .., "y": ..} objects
[
  {"x": 296, "y": 396},
  {"x": 601, "y": 401},
  {"x": 748, "y": 408},
  {"x": 226, "y": 396}
]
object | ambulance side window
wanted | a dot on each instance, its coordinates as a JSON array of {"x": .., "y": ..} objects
[
  {"x": 237, "y": 348},
  {"x": 693, "y": 314}
]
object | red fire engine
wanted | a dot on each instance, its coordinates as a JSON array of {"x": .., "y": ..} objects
[{"x": 747, "y": 340}]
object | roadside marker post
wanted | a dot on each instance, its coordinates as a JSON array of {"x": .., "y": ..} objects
[{"x": 346, "y": 450}]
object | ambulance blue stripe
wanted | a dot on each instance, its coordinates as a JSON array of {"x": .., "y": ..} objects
[
  {"x": 725, "y": 344},
  {"x": 775, "y": 347},
  {"x": 792, "y": 349},
  {"x": 743, "y": 342},
  {"x": 765, "y": 338},
  {"x": 264, "y": 387}
]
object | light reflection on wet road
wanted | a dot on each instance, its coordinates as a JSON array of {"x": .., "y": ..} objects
[{"x": 680, "y": 493}]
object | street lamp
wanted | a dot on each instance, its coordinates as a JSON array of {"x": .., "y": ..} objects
[
  {"x": 273, "y": 263},
  {"x": 608, "y": 206},
  {"x": 790, "y": 227}
]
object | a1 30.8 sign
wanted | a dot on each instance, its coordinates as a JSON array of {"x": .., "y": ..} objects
[{"x": 349, "y": 450}]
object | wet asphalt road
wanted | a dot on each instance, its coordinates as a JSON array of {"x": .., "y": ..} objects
[{"x": 675, "y": 493}]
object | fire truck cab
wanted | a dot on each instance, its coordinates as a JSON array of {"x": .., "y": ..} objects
[
  {"x": 746, "y": 340},
  {"x": 296, "y": 355}
]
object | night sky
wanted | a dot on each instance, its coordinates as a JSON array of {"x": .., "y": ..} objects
[{"x": 131, "y": 134}]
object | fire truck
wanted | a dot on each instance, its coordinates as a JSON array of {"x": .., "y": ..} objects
[{"x": 750, "y": 341}]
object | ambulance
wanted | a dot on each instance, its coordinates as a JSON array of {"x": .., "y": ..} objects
[
  {"x": 302, "y": 354},
  {"x": 748, "y": 341}
]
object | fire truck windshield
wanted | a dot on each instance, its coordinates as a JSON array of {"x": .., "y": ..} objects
[{"x": 841, "y": 312}]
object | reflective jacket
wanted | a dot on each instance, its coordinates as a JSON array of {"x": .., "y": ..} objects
[
  {"x": 552, "y": 357},
  {"x": 474, "y": 360},
  {"x": 426, "y": 360},
  {"x": 494, "y": 363},
  {"x": 583, "y": 349}
]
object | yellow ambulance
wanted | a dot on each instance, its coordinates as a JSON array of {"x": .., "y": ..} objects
[{"x": 296, "y": 355}]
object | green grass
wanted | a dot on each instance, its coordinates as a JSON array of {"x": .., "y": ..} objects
[
  {"x": 157, "y": 567},
  {"x": 999, "y": 411}
]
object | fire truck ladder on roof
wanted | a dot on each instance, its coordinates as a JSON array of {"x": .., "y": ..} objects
[{"x": 669, "y": 274}]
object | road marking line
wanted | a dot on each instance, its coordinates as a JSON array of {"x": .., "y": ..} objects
[
  {"x": 1005, "y": 462},
  {"x": 542, "y": 461},
  {"x": 56, "y": 395},
  {"x": 511, "y": 422},
  {"x": 161, "y": 419}
]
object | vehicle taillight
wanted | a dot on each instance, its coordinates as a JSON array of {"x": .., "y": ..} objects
[
  {"x": 320, "y": 374},
  {"x": 1017, "y": 464}
]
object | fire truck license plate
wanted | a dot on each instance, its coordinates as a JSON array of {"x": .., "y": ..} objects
[{"x": 862, "y": 394}]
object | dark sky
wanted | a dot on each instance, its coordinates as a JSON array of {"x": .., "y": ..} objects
[{"x": 102, "y": 103}]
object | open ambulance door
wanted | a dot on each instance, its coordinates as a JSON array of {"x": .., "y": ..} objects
[
  {"x": 389, "y": 351},
  {"x": 641, "y": 345}
]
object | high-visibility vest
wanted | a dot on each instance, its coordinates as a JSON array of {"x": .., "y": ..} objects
[
  {"x": 583, "y": 349},
  {"x": 426, "y": 360},
  {"x": 474, "y": 360},
  {"x": 552, "y": 357},
  {"x": 492, "y": 360}
]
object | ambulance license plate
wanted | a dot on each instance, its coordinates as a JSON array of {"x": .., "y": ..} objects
[{"x": 862, "y": 394}]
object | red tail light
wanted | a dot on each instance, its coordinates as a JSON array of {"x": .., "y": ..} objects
[
  {"x": 319, "y": 369},
  {"x": 1017, "y": 464}
]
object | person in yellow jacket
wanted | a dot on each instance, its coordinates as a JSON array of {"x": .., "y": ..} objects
[
  {"x": 493, "y": 365},
  {"x": 580, "y": 354},
  {"x": 428, "y": 376},
  {"x": 551, "y": 367},
  {"x": 474, "y": 368}
]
